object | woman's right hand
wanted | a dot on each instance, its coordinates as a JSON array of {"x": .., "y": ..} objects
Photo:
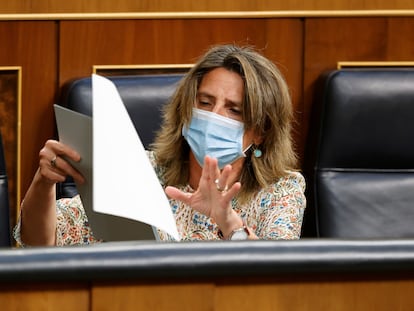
[
  {"x": 53, "y": 164},
  {"x": 38, "y": 209}
]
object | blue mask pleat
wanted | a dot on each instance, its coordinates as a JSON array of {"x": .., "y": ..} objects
[{"x": 215, "y": 136}]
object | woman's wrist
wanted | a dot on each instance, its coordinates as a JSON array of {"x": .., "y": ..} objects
[{"x": 235, "y": 222}]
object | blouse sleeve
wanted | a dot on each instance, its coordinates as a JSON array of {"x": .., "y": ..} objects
[
  {"x": 197, "y": 235},
  {"x": 282, "y": 208},
  {"x": 72, "y": 226}
]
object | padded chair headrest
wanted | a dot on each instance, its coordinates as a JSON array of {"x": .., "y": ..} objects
[{"x": 374, "y": 119}]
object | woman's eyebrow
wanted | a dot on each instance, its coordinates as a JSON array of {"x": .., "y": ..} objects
[
  {"x": 229, "y": 102},
  {"x": 234, "y": 103},
  {"x": 204, "y": 94}
]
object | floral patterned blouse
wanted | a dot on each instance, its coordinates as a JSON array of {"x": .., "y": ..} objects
[{"x": 276, "y": 212}]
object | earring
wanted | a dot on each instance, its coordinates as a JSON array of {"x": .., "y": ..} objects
[{"x": 257, "y": 152}]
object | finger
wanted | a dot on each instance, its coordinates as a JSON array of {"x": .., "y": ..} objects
[
  {"x": 78, "y": 177},
  {"x": 59, "y": 172},
  {"x": 206, "y": 172},
  {"x": 71, "y": 171},
  {"x": 212, "y": 168},
  {"x": 52, "y": 175},
  {"x": 54, "y": 167},
  {"x": 232, "y": 192},
  {"x": 63, "y": 152},
  {"x": 206, "y": 179},
  {"x": 222, "y": 181},
  {"x": 61, "y": 149},
  {"x": 46, "y": 154},
  {"x": 53, "y": 161},
  {"x": 65, "y": 168},
  {"x": 220, "y": 188},
  {"x": 225, "y": 173},
  {"x": 177, "y": 194}
]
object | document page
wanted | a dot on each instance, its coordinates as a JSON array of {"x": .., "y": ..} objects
[{"x": 122, "y": 196}]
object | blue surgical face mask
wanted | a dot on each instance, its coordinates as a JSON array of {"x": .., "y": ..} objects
[{"x": 216, "y": 136}]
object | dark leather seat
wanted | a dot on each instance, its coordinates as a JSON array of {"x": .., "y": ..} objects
[
  {"x": 361, "y": 184},
  {"x": 5, "y": 237},
  {"x": 143, "y": 96}
]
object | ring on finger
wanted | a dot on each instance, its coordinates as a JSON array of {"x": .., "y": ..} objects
[
  {"x": 53, "y": 161},
  {"x": 218, "y": 186}
]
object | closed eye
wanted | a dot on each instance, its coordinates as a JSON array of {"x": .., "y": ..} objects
[
  {"x": 204, "y": 101},
  {"x": 235, "y": 111}
]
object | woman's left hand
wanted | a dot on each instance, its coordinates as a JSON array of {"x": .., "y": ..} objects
[{"x": 213, "y": 196}]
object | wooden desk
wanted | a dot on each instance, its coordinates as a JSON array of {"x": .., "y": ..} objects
[{"x": 253, "y": 275}]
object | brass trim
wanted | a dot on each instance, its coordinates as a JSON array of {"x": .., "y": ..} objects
[
  {"x": 18, "y": 129},
  {"x": 143, "y": 67},
  {"x": 201, "y": 15},
  {"x": 341, "y": 65}
]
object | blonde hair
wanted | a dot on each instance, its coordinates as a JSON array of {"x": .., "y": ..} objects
[{"x": 267, "y": 109}]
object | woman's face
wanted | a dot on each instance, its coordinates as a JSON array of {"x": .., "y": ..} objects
[{"x": 222, "y": 91}]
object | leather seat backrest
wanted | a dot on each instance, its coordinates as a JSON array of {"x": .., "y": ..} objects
[
  {"x": 143, "y": 96},
  {"x": 363, "y": 176}
]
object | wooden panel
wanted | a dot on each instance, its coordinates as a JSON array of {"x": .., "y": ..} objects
[
  {"x": 81, "y": 6},
  {"x": 287, "y": 40},
  {"x": 10, "y": 79},
  {"x": 278, "y": 295},
  {"x": 172, "y": 297},
  {"x": 335, "y": 295},
  {"x": 329, "y": 40},
  {"x": 32, "y": 46},
  {"x": 44, "y": 297},
  {"x": 400, "y": 43},
  {"x": 87, "y": 43}
]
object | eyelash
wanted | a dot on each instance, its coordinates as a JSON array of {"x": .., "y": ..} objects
[
  {"x": 234, "y": 111},
  {"x": 203, "y": 103}
]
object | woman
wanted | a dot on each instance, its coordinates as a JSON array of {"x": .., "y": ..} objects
[{"x": 224, "y": 155}]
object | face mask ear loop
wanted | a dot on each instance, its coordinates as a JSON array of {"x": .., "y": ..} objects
[{"x": 247, "y": 149}]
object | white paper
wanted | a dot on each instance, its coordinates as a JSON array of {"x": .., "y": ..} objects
[
  {"x": 75, "y": 130},
  {"x": 122, "y": 196},
  {"x": 124, "y": 181}
]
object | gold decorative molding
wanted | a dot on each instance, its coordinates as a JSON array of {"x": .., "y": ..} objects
[
  {"x": 208, "y": 14},
  {"x": 16, "y": 178},
  {"x": 342, "y": 65}
]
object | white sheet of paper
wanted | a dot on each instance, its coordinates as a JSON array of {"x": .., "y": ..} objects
[
  {"x": 124, "y": 181},
  {"x": 122, "y": 196},
  {"x": 75, "y": 130}
]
